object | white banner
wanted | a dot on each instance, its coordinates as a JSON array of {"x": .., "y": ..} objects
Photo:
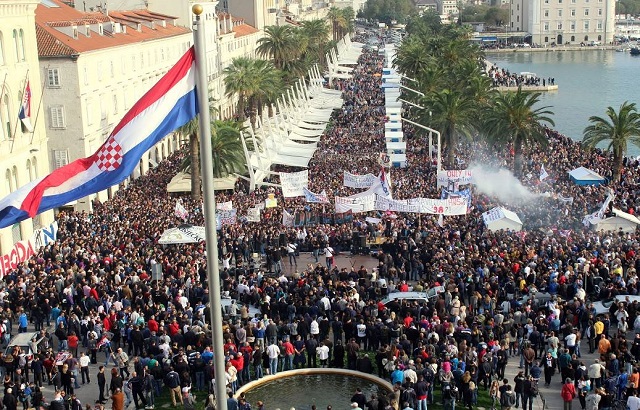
[
  {"x": 371, "y": 220},
  {"x": 355, "y": 204},
  {"x": 293, "y": 182},
  {"x": 253, "y": 215},
  {"x": 358, "y": 181},
  {"x": 224, "y": 206},
  {"x": 23, "y": 250},
  {"x": 460, "y": 177},
  {"x": 287, "y": 218},
  {"x": 225, "y": 217},
  {"x": 450, "y": 206}
]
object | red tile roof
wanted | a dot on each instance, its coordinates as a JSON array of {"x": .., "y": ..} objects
[
  {"x": 240, "y": 28},
  {"x": 53, "y": 42}
]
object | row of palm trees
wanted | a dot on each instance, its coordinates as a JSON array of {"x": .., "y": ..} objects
[
  {"x": 457, "y": 96},
  {"x": 286, "y": 53},
  {"x": 461, "y": 103}
]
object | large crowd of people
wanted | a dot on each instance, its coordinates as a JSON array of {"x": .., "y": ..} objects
[{"x": 91, "y": 296}]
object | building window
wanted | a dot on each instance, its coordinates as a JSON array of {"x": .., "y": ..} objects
[
  {"x": 112, "y": 70},
  {"x": 599, "y": 12},
  {"x": 34, "y": 167},
  {"x": 573, "y": 27},
  {"x": 100, "y": 29},
  {"x": 573, "y": 38},
  {"x": 7, "y": 182},
  {"x": 15, "y": 44},
  {"x": 573, "y": 12},
  {"x": 546, "y": 13},
  {"x": 99, "y": 70},
  {"x": 559, "y": 25},
  {"x": 60, "y": 158},
  {"x": 600, "y": 25},
  {"x": 586, "y": 38},
  {"x": 586, "y": 12},
  {"x": 586, "y": 25},
  {"x": 53, "y": 78},
  {"x": 599, "y": 37},
  {"x": 89, "y": 108},
  {"x": 5, "y": 132},
  {"x": 14, "y": 177},
  {"x": 115, "y": 104},
  {"x": 21, "y": 43},
  {"x": 85, "y": 74},
  {"x": 57, "y": 116},
  {"x": 87, "y": 31},
  {"x": 75, "y": 32},
  {"x": 546, "y": 39},
  {"x": 546, "y": 26},
  {"x": 560, "y": 13},
  {"x": 29, "y": 171},
  {"x": 1, "y": 49}
]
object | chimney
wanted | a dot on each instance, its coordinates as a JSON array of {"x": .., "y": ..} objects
[{"x": 230, "y": 24}]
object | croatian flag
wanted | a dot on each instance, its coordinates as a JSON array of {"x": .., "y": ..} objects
[
  {"x": 170, "y": 104},
  {"x": 25, "y": 110}
]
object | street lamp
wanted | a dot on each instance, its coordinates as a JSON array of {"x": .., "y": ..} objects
[{"x": 431, "y": 132}]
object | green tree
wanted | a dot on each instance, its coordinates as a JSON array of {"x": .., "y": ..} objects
[
  {"x": 514, "y": 118},
  {"x": 226, "y": 150},
  {"x": 317, "y": 33},
  {"x": 191, "y": 130},
  {"x": 278, "y": 43},
  {"x": 338, "y": 22},
  {"x": 453, "y": 113},
  {"x": 254, "y": 83},
  {"x": 411, "y": 58},
  {"x": 619, "y": 129}
]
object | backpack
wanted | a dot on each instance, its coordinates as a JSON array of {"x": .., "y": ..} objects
[
  {"x": 508, "y": 399},
  {"x": 533, "y": 390}
]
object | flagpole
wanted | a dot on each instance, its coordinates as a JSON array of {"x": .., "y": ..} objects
[
  {"x": 35, "y": 122},
  {"x": 209, "y": 207},
  {"x": 15, "y": 129}
]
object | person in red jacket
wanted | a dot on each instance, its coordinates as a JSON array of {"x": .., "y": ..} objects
[
  {"x": 174, "y": 328},
  {"x": 238, "y": 363},
  {"x": 568, "y": 393},
  {"x": 152, "y": 324}
]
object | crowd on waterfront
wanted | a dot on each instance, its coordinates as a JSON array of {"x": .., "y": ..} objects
[
  {"x": 503, "y": 78},
  {"x": 92, "y": 291}
]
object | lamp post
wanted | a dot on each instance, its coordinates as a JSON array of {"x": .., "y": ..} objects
[
  {"x": 209, "y": 208},
  {"x": 431, "y": 131}
]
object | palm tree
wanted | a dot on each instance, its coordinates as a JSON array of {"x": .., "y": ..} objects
[
  {"x": 226, "y": 150},
  {"x": 514, "y": 119},
  {"x": 191, "y": 130},
  {"x": 240, "y": 80},
  {"x": 317, "y": 33},
  {"x": 269, "y": 87},
  {"x": 620, "y": 129},
  {"x": 411, "y": 58},
  {"x": 452, "y": 112},
  {"x": 278, "y": 43},
  {"x": 338, "y": 21}
]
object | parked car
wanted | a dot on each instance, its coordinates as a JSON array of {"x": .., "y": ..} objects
[
  {"x": 604, "y": 306},
  {"x": 226, "y": 303},
  {"x": 395, "y": 299},
  {"x": 22, "y": 340}
]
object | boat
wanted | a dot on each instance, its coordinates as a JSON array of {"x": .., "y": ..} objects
[
  {"x": 622, "y": 49},
  {"x": 635, "y": 51}
]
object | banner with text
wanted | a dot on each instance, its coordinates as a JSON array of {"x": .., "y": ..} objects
[
  {"x": 456, "y": 177},
  {"x": 225, "y": 217},
  {"x": 450, "y": 206},
  {"x": 224, "y": 206},
  {"x": 253, "y": 215},
  {"x": 292, "y": 183},
  {"x": 314, "y": 198},
  {"x": 358, "y": 181},
  {"x": 24, "y": 250}
]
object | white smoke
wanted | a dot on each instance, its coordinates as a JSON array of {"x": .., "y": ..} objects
[{"x": 500, "y": 184}]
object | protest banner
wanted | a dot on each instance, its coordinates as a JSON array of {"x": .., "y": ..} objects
[
  {"x": 224, "y": 206},
  {"x": 355, "y": 204},
  {"x": 451, "y": 206},
  {"x": 314, "y": 198},
  {"x": 225, "y": 217},
  {"x": 457, "y": 177},
  {"x": 24, "y": 250},
  {"x": 292, "y": 183},
  {"x": 287, "y": 218},
  {"x": 358, "y": 181},
  {"x": 253, "y": 215},
  {"x": 271, "y": 201}
]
